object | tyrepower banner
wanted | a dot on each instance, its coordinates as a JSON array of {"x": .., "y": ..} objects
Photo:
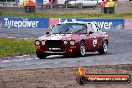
[
  {"x": 102, "y": 23},
  {"x": 24, "y": 22},
  {"x": 49, "y": 22}
]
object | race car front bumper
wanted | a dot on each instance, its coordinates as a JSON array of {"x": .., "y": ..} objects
[{"x": 54, "y": 51}]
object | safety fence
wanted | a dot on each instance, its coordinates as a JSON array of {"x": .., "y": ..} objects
[
  {"x": 14, "y": 7},
  {"x": 49, "y": 22}
]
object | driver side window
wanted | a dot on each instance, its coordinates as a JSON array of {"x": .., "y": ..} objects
[
  {"x": 89, "y": 27},
  {"x": 92, "y": 27}
]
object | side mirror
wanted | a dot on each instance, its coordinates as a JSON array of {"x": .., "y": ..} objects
[
  {"x": 47, "y": 33},
  {"x": 53, "y": 26},
  {"x": 90, "y": 32}
]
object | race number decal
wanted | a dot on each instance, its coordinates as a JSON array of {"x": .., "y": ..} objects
[{"x": 94, "y": 41}]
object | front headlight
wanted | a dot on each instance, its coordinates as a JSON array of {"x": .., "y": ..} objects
[
  {"x": 43, "y": 42},
  {"x": 72, "y": 42},
  {"x": 37, "y": 42}
]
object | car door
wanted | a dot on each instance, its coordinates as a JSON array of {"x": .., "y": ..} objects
[
  {"x": 100, "y": 36},
  {"x": 91, "y": 41},
  {"x": 97, "y": 40}
]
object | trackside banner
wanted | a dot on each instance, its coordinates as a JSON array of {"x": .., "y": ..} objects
[
  {"x": 102, "y": 23},
  {"x": 24, "y": 22},
  {"x": 49, "y": 22}
]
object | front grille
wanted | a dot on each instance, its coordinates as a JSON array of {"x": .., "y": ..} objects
[{"x": 53, "y": 43}]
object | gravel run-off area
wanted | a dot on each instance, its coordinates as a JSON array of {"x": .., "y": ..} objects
[{"x": 59, "y": 77}]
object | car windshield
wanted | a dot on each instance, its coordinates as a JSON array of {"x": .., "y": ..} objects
[{"x": 69, "y": 28}]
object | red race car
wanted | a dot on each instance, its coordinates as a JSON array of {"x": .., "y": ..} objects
[{"x": 72, "y": 39}]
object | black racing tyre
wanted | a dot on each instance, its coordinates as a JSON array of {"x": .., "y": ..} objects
[
  {"x": 104, "y": 48},
  {"x": 81, "y": 80},
  {"x": 82, "y": 49},
  {"x": 42, "y": 56}
]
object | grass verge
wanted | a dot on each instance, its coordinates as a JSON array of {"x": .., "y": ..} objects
[
  {"x": 11, "y": 47},
  {"x": 76, "y": 15}
]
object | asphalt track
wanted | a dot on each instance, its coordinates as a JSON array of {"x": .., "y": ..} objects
[{"x": 120, "y": 52}]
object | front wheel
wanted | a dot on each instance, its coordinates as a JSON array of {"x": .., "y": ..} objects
[
  {"x": 82, "y": 49},
  {"x": 104, "y": 48},
  {"x": 41, "y": 56}
]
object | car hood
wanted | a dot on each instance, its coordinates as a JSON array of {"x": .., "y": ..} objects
[{"x": 59, "y": 37}]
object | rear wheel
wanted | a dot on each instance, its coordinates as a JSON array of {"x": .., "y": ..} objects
[
  {"x": 41, "y": 56},
  {"x": 104, "y": 48}
]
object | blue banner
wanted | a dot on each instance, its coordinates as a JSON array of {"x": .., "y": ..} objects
[
  {"x": 102, "y": 23},
  {"x": 24, "y": 22},
  {"x": 45, "y": 22}
]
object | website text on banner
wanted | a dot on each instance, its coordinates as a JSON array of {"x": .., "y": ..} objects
[
  {"x": 102, "y": 23},
  {"x": 24, "y": 22}
]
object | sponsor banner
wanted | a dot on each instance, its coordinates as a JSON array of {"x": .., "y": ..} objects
[
  {"x": 83, "y": 78},
  {"x": 49, "y": 22},
  {"x": 104, "y": 78},
  {"x": 24, "y": 22},
  {"x": 128, "y": 23},
  {"x": 102, "y": 23}
]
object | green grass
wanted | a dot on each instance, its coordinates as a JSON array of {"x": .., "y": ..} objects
[
  {"x": 77, "y": 15},
  {"x": 11, "y": 47}
]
